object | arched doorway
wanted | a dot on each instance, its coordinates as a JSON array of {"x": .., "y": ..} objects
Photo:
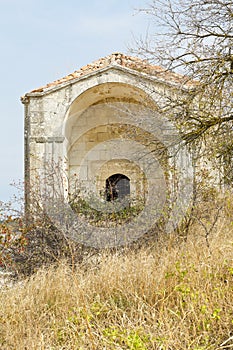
[{"x": 117, "y": 187}]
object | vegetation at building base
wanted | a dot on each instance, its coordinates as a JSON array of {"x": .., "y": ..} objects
[
  {"x": 169, "y": 292},
  {"x": 105, "y": 219},
  {"x": 163, "y": 292}
]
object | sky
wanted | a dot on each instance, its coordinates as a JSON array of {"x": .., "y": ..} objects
[{"x": 41, "y": 41}]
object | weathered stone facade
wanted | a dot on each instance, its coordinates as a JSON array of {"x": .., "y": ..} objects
[{"x": 103, "y": 119}]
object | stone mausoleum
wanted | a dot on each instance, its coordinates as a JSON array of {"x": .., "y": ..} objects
[{"x": 103, "y": 130}]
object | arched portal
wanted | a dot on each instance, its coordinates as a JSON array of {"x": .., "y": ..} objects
[{"x": 99, "y": 123}]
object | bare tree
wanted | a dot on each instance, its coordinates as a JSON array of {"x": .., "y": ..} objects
[{"x": 195, "y": 38}]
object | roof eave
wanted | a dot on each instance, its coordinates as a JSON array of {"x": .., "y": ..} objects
[{"x": 134, "y": 72}]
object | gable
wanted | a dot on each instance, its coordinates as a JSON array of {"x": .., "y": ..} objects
[{"x": 120, "y": 62}]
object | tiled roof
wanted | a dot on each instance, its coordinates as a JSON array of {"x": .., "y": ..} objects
[{"x": 122, "y": 60}]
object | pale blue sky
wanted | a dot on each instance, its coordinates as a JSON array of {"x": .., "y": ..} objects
[{"x": 43, "y": 40}]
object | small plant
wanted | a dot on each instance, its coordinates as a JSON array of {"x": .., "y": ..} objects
[
  {"x": 103, "y": 218},
  {"x": 133, "y": 340}
]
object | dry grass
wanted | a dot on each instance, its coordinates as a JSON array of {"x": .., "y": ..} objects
[{"x": 169, "y": 296}]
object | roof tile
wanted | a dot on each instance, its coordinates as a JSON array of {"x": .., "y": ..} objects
[{"x": 120, "y": 59}]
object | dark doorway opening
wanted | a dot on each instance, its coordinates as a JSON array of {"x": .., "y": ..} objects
[{"x": 117, "y": 187}]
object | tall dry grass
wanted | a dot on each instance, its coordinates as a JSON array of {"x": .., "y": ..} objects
[{"x": 171, "y": 295}]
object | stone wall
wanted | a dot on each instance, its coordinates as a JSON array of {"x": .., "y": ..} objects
[{"x": 80, "y": 132}]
